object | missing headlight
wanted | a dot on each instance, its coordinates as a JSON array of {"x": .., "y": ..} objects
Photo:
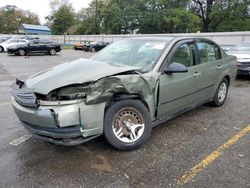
[{"x": 69, "y": 93}]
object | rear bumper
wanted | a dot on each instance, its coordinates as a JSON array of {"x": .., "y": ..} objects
[
  {"x": 78, "y": 47},
  {"x": 58, "y": 49}
]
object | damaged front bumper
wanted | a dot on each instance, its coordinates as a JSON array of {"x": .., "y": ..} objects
[{"x": 62, "y": 123}]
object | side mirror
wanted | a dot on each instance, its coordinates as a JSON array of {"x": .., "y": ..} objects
[{"x": 175, "y": 68}]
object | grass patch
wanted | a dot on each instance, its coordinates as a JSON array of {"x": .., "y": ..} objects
[{"x": 67, "y": 47}]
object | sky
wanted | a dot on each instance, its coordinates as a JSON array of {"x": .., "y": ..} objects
[{"x": 41, "y": 7}]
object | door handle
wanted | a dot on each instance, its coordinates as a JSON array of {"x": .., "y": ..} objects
[
  {"x": 219, "y": 67},
  {"x": 197, "y": 74}
]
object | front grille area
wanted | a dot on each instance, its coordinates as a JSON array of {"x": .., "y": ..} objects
[{"x": 24, "y": 96}]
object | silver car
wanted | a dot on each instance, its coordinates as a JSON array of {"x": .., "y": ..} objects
[{"x": 242, "y": 52}]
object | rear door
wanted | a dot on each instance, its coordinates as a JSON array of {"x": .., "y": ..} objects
[
  {"x": 210, "y": 65},
  {"x": 180, "y": 91},
  {"x": 43, "y": 46}
]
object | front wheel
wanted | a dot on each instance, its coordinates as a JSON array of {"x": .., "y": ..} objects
[
  {"x": 221, "y": 93},
  {"x": 127, "y": 124},
  {"x": 52, "y": 51},
  {"x": 21, "y": 52}
]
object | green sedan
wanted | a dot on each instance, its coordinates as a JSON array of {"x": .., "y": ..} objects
[{"x": 124, "y": 90}]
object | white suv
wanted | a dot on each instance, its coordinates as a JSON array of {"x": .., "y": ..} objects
[{"x": 11, "y": 42}]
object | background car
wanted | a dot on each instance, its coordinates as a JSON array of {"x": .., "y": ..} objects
[
  {"x": 242, "y": 52},
  {"x": 26, "y": 37},
  {"x": 12, "y": 42},
  {"x": 2, "y": 39},
  {"x": 35, "y": 46},
  {"x": 81, "y": 45},
  {"x": 96, "y": 46}
]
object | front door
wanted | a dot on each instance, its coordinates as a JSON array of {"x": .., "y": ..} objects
[
  {"x": 33, "y": 47},
  {"x": 179, "y": 91}
]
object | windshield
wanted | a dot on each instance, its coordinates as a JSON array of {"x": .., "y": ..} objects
[
  {"x": 242, "y": 47},
  {"x": 140, "y": 53}
]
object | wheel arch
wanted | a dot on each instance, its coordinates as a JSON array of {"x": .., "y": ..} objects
[
  {"x": 124, "y": 96},
  {"x": 227, "y": 77}
]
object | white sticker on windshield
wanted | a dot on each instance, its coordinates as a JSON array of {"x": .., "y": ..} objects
[{"x": 155, "y": 45}]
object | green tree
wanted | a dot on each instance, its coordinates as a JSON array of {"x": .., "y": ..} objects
[
  {"x": 180, "y": 20},
  {"x": 120, "y": 16},
  {"x": 221, "y": 15},
  {"x": 11, "y": 17},
  {"x": 204, "y": 9},
  {"x": 63, "y": 20},
  {"x": 233, "y": 16},
  {"x": 89, "y": 19}
]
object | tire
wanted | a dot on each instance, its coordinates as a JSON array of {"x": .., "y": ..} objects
[
  {"x": 21, "y": 52},
  {"x": 221, "y": 93},
  {"x": 1, "y": 49},
  {"x": 52, "y": 51},
  {"x": 137, "y": 129},
  {"x": 92, "y": 50}
]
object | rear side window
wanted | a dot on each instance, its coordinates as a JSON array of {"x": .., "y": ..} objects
[{"x": 208, "y": 52}]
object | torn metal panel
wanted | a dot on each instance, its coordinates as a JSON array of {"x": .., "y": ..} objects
[
  {"x": 92, "y": 117},
  {"x": 104, "y": 89}
]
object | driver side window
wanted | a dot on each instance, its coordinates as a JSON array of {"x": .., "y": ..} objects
[{"x": 184, "y": 54}]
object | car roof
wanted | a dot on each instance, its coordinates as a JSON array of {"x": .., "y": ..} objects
[
  {"x": 169, "y": 39},
  {"x": 151, "y": 38}
]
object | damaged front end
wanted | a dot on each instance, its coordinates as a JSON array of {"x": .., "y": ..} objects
[{"x": 74, "y": 113}]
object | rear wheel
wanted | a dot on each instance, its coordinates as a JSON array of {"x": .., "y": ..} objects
[
  {"x": 127, "y": 124},
  {"x": 52, "y": 51},
  {"x": 221, "y": 93},
  {"x": 21, "y": 52},
  {"x": 1, "y": 49}
]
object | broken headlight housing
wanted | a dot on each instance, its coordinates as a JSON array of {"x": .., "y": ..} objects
[{"x": 73, "y": 92}]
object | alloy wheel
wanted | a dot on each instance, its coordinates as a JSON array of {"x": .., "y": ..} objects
[
  {"x": 128, "y": 125},
  {"x": 222, "y": 93},
  {"x": 21, "y": 52},
  {"x": 52, "y": 52}
]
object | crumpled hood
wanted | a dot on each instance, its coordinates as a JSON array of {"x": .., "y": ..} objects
[{"x": 75, "y": 72}]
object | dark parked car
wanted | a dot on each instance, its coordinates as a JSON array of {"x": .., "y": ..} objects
[
  {"x": 95, "y": 46},
  {"x": 46, "y": 47}
]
